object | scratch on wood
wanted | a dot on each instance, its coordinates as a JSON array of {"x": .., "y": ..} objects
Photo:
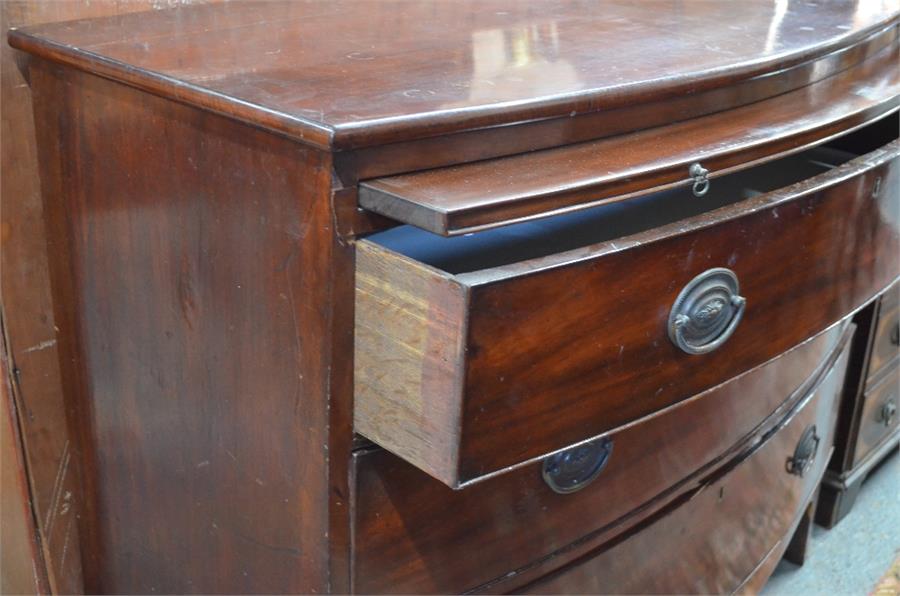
[
  {"x": 41, "y": 346},
  {"x": 57, "y": 488},
  {"x": 65, "y": 547},
  {"x": 295, "y": 552}
]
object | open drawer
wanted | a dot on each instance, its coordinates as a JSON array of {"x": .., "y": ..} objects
[{"x": 481, "y": 353}]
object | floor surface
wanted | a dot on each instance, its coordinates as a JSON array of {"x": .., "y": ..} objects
[{"x": 853, "y": 556}]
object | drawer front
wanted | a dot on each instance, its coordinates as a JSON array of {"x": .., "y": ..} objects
[
  {"x": 715, "y": 538},
  {"x": 413, "y": 534},
  {"x": 466, "y": 375},
  {"x": 886, "y": 345},
  {"x": 880, "y": 414}
]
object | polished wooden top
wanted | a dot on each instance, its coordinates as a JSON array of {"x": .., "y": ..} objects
[{"x": 353, "y": 73}]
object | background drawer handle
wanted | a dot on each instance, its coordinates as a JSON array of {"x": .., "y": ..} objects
[
  {"x": 573, "y": 469},
  {"x": 706, "y": 312},
  {"x": 889, "y": 410},
  {"x": 805, "y": 453}
]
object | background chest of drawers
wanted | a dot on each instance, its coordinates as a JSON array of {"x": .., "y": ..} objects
[
  {"x": 868, "y": 425},
  {"x": 424, "y": 297}
]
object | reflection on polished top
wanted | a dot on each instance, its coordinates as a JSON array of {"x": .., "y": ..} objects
[{"x": 342, "y": 73}]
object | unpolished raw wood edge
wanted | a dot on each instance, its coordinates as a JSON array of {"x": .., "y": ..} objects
[{"x": 411, "y": 324}]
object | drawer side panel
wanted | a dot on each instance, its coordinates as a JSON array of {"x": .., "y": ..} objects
[{"x": 410, "y": 330}]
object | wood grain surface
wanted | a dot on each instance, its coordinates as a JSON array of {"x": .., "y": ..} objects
[
  {"x": 414, "y": 535},
  {"x": 886, "y": 341},
  {"x": 24, "y": 570},
  {"x": 547, "y": 336},
  {"x": 448, "y": 66},
  {"x": 192, "y": 270},
  {"x": 203, "y": 268},
  {"x": 874, "y": 428},
  {"x": 484, "y": 194},
  {"x": 484, "y": 143},
  {"x": 26, "y": 297},
  {"x": 426, "y": 345},
  {"x": 864, "y": 393},
  {"x": 715, "y": 540}
]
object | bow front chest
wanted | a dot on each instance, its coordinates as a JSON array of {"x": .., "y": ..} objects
[{"x": 433, "y": 297}]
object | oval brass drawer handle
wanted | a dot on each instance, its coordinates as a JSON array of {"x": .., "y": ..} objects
[
  {"x": 804, "y": 454},
  {"x": 573, "y": 469},
  {"x": 706, "y": 312}
]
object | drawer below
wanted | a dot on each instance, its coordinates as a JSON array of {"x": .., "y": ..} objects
[
  {"x": 715, "y": 538},
  {"x": 880, "y": 414},
  {"x": 412, "y": 534}
]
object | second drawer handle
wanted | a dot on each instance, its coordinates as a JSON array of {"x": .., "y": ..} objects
[
  {"x": 706, "y": 312},
  {"x": 571, "y": 470},
  {"x": 804, "y": 454}
]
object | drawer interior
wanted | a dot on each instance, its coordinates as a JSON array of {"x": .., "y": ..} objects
[{"x": 532, "y": 239}]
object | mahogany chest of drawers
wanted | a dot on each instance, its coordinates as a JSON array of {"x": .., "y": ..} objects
[{"x": 447, "y": 297}]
